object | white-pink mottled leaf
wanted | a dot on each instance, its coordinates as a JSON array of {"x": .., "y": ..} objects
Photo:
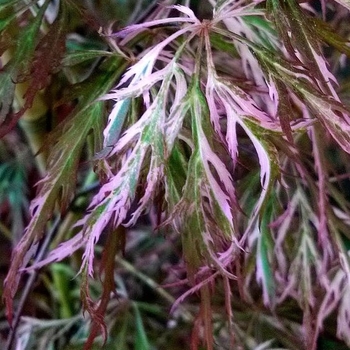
[
  {"x": 57, "y": 185},
  {"x": 192, "y": 290},
  {"x": 113, "y": 201},
  {"x": 187, "y": 11},
  {"x": 343, "y": 319},
  {"x": 209, "y": 157},
  {"x": 143, "y": 68},
  {"x": 143, "y": 26},
  {"x": 330, "y": 114},
  {"x": 64, "y": 250},
  {"x": 345, "y": 3},
  {"x": 139, "y": 83}
]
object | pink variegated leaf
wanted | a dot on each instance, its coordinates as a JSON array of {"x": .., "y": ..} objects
[
  {"x": 116, "y": 120},
  {"x": 328, "y": 77},
  {"x": 248, "y": 10},
  {"x": 143, "y": 68},
  {"x": 343, "y": 319},
  {"x": 268, "y": 160},
  {"x": 64, "y": 250},
  {"x": 209, "y": 189},
  {"x": 192, "y": 290},
  {"x": 208, "y": 156},
  {"x": 231, "y": 134},
  {"x": 178, "y": 110},
  {"x": 330, "y": 113},
  {"x": 345, "y": 3},
  {"x": 153, "y": 179},
  {"x": 306, "y": 44},
  {"x": 159, "y": 153},
  {"x": 113, "y": 201},
  {"x": 58, "y": 185},
  {"x": 264, "y": 256},
  {"x": 331, "y": 300},
  {"x": 222, "y": 7},
  {"x": 174, "y": 123},
  {"x": 157, "y": 108},
  {"x": 213, "y": 103},
  {"x": 187, "y": 11},
  {"x": 242, "y": 102},
  {"x": 217, "y": 257},
  {"x": 236, "y": 27},
  {"x": 138, "y": 28}
]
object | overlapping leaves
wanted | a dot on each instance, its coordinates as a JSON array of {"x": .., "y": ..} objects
[{"x": 177, "y": 131}]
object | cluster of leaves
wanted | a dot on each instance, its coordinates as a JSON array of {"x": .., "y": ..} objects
[{"x": 230, "y": 133}]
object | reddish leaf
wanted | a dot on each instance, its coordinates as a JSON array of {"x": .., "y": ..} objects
[
  {"x": 48, "y": 55},
  {"x": 62, "y": 167},
  {"x": 115, "y": 243},
  {"x": 18, "y": 65}
]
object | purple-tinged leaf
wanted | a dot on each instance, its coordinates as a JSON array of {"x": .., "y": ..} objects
[
  {"x": 63, "y": 250},
  {"x": 343, "y": 319},
  {"x": 143, "y": 26},
  {"x": 17, "y": 66},
  {"x": 62, "y": 167},
  {"x": 116, "y": 120},
  {"x": 112, "y": 203},
  {"x": 197, "y": 287},
  {"x": 345, "y": 3},
  {"x": 140, "y": 83},
  {"x": 264, "y": 254},
  {"x": 57, "y": 185},
  {"x": 79, "y": 56},
  {"x": 114, "y": 244},
  {"x": 7, "y": 92},
  {"x": 329, "y": 36},
  {"x": 47, "y": 58},
  {"x": 330, "y": 112}
]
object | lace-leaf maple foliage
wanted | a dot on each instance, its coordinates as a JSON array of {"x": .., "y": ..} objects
[{"x": 224, "y": 128}]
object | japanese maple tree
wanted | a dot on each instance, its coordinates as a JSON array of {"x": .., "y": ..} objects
[{"x": 224, "y": 127}]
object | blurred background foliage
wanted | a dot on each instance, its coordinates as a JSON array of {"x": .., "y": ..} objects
[{"x": 138, "y": 315}]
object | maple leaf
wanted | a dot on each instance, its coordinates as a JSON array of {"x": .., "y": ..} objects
[
  {"x": 18, "y": 65},
  {"x": 47, "y": 58},
  {"x": 345, "y": 3},
  {"x": 58, "y": 184}
]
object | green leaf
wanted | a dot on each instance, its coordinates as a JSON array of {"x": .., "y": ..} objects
[
  {"x": 141, "y": 339},
  {"x": 203, "y": 214},
  {"x": 265, "y": 254},
  {"x": 47, "y": 58},
  {"x": 123, "y": 332},
  {"x": 62, "y": 275},
  {"x": 96, "y": 85},
  {"x": 6, "y": 4},
  {"x": 59, "y": 183},
  {"x": 329, "y": 36},
  {"x": 345, "y": 3},
  {"x": 7, "y": 92},
  {"x": 221, "y": 44},
  {"x": 80, "y": 56}
]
